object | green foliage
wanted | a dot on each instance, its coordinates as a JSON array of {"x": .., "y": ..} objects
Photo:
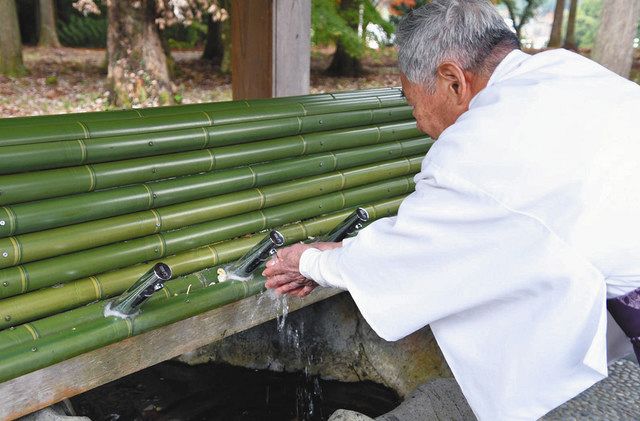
[
  {"x": 80, "y": 31},
  {"x": 587, "y": 21},
  {"x": 521, "y": 11},
  {"x": 329, "y": 23},
  {"x": 186, "y": 37}
]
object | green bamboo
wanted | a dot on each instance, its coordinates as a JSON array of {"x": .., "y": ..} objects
[
  {"x": 169, "y": 110},
  {"x": 18, "y": 188},
  {"x": 54, "y": 242},
  {"x": 31, "y": 276},
  {"x": 226, "y": 187},
  {"x": 32, "y": 157},
  {"x": 45, "y": 214},
  {"x": 52, "y": 349},
  {"x": 54, "y": 300},
  {"x": 21, "y": 135}
]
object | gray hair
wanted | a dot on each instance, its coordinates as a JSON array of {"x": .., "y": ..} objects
[{"x": 465, "y": 32}]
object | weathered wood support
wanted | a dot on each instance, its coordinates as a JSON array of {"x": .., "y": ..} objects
[{"x": 52, "y": 384}]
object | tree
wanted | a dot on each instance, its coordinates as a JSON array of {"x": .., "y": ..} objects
[
  {"x": 339, "y": 23},
  {"x": 587, "y": 21},
  {"x": 214, "y": 48},
  {"x": 47, "y": 24},
  {"x": 570, "y": 39},
  {"x": 138, "y": 71},
  {"x": 555, "y": 40},
  {"x": 344, "y": 61},
  {"x": 520, "y": 17},
  {"x": 614, "y": 42},
  {"x": 10, "y": 45}
]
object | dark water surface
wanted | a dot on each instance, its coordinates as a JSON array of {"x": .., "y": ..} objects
[{"x": 178, "y": 392}]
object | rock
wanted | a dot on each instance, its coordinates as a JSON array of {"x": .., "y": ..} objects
[
  {"x": 346, "y": 415},
  {"x": 331, "y": 339},
  {"x": 439, "y": 399},
  {"x": 57, "y": 412}
]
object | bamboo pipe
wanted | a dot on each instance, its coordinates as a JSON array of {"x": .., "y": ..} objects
[
  {"x": 54, "y": 242},
  {"x": 45, "y": 214},
  {"x": 21, "y": 135},
  {"x": 18, "y": 188},
  {"x": 33, "y": 157},
  {"x": 31, "y": 276},
  {"x": 168, "y": 110},
  {"x": 182, "y": 264},
  {"x": 101, "y": 332}
]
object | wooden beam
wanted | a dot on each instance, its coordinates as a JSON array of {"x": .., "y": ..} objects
[
  {"x": 252, "y": 48},
  {"x": 292, "y": 40},
  {"x": 271, "y": 48},
  {"x": 49, "y": 385}
]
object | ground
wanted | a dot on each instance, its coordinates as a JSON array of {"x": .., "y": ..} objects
[{"x": 66, "y": 80}]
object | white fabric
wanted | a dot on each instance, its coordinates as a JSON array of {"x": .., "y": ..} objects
[
  {"x": 526, "y": 215},
  {"x": 312, "y": 266}
]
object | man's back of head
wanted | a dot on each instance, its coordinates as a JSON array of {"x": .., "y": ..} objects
[{"x": 469, "y": 33}]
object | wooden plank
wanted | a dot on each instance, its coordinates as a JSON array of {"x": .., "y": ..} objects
[
  {"x": 292, "y": 40},
  {"x": 252, "y": 48},
  {"x": 49, "y": 385}
]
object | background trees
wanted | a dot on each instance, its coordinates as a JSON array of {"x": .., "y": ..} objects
[
  {"x": 346, "y": 23},
  {"x": 47, "y": 24},
  {"x": 618, "y": 28},
  {"x": 10, "y": 44},
  {"x": 521, "y": 12},
  {"x": 555, "y": 39}
]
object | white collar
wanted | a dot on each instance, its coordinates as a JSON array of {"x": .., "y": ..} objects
[{"x": 512, "y": 61}]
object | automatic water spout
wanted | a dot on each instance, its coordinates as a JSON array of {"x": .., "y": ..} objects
[
  {"x": 243, "y": 269},
  {"x": 349, "y": 226},
  {"x": 128, "y": 304}
]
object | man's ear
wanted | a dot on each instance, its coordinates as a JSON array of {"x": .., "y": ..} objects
[{"x": 453, "y": 79}]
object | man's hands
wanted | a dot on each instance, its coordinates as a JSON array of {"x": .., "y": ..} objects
[{"x": 283, "y": 270}]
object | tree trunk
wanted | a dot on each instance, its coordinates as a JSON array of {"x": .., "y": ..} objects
[
  {"x": 10, "y": 45},
  {"x": 47, "y": 24},
  {"x": 137, "y": 71},
  {"x": 570, "y": 39},
  {"x": 342, "y": 63},
  {"x": 214, "y": 47},
  {"x": 614, "y": 42},
  {"x": 555, "y": 40}
]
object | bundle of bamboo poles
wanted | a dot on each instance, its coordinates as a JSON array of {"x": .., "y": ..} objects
[{"x": 88, "y": 202}]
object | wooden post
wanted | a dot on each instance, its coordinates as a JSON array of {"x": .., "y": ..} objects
[{"x": 270, "y": 48}]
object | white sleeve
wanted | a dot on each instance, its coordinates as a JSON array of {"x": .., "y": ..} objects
[
  {"x": 451, "y": 248},
  {"x": 313, "y": 266}
]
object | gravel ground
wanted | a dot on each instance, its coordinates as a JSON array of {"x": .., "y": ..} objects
[{"x": 616, "y": 398}]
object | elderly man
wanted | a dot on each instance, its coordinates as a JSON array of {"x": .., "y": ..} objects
[{"x": 525, "y": 218}]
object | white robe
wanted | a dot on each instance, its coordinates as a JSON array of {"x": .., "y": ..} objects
[{"x": 526, "y": 216}]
